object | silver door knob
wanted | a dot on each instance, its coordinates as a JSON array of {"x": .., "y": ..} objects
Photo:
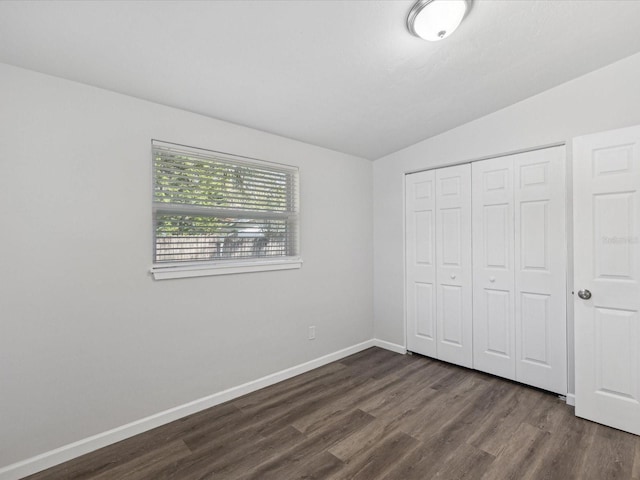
[
  {"x": 492, "y": 279},
  {"x": 584, "y": 294},
  {"x": 453, "y": 277}
]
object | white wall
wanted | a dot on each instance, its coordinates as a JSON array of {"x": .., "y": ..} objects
[
  {"x": 88, "y": 340},
  {"x": 605, "y": 99}
]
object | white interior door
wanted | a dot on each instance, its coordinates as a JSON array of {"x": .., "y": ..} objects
[
  {"x": 540, "y": 269},
  {"x": 420, "y": 191},
  {"x": 454, "y": 330},
  {"x": 606, "y": 207},
  {"x": 493, "y": 267}
]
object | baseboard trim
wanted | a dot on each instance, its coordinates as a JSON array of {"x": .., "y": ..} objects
[
  {"x": 394, "y": 347},
  {"x": 49, "y": 459},
  {"x": 571, "y": 399}
]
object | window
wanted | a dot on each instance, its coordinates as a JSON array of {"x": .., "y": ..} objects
[{"x": 215, "y": 213}]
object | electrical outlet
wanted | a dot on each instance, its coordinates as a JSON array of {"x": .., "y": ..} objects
[{"x": 312, "y": 332}]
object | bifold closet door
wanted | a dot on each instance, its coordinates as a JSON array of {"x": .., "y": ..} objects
[
  {"x": 540, "y": 266},
  {"x": 493, "y": 269},
  {"x": 438, "y": 264},
  {"x": 454, "y": 328},
  {"x": 519, "y": 250},
  {"x": 420, "y": 254}
]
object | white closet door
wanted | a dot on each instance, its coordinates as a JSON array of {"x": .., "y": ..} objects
[
  {"x": 493, "y": 270},
  {"x": 454, "y": 268},
  {"x": 540, "y": 269},
  {"x": 420, "y": 263},
  {"x": 606, "y": 200}
]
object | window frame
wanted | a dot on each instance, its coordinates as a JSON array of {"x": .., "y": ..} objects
[{"x": 199, "y": 268}]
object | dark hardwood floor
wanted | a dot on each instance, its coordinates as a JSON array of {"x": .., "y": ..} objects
[{"x": 374, "y": 415}]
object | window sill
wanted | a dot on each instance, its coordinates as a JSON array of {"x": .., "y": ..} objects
[{"x": 166, "y": 272}]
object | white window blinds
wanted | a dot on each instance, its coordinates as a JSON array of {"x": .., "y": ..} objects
[{"x": 215, "y": 207}]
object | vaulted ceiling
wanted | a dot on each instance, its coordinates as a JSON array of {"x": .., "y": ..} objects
[{"x": 345, "y": 75}]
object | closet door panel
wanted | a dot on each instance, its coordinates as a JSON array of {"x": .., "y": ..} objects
[
  {"x": 454, "y": 268},
  {"x": 540, "y": 267},
  {"x": 493, "y": 267},
  {"x": 498, "y": 320},
  {"x": 451, "y": 316},
  {"x": 420, "y": 191}
]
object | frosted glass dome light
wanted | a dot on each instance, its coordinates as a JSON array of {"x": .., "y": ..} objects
[{"x": 434, "y": 20}]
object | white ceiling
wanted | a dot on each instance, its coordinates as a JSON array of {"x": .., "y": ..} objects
[{"x": 345, "y": 75}]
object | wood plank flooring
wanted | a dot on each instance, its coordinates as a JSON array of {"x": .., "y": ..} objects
[{"x": 373, "y": 415}]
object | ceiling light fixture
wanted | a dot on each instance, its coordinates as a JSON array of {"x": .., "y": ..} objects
[{"x": 434, "y": 20}]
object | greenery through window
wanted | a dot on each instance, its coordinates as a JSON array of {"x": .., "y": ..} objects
[{"x": 210, "y": 206}]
